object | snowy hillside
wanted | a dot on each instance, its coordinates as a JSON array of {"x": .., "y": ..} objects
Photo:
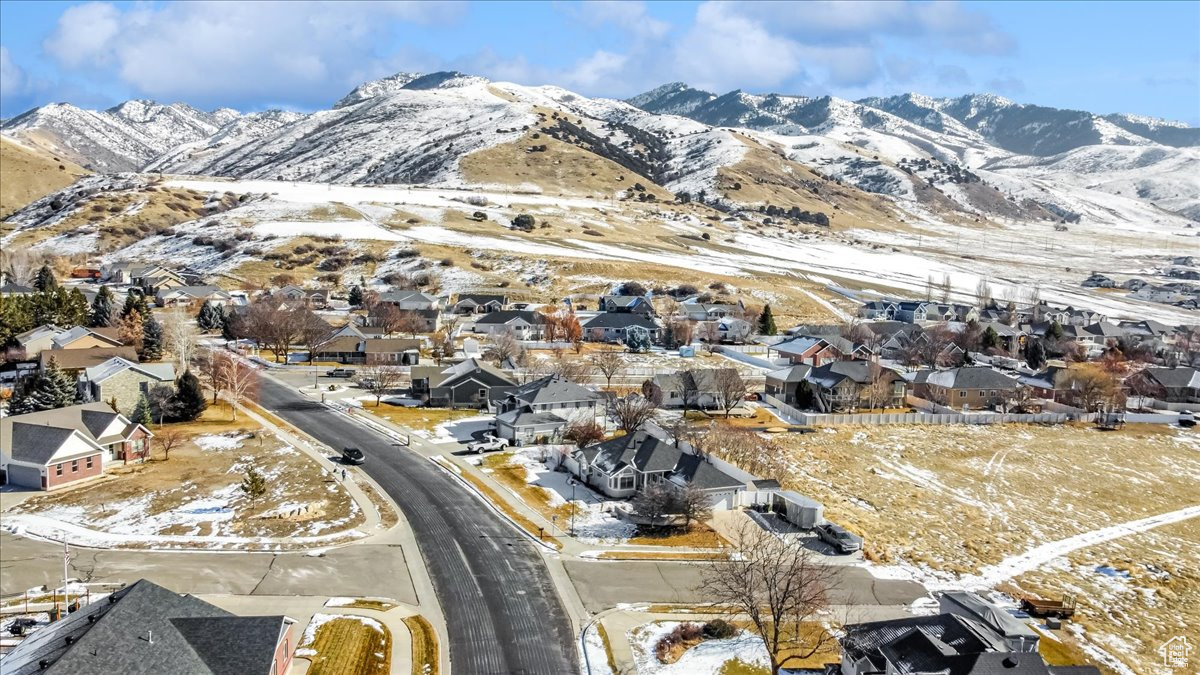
[{"x": 122, "y": 138}]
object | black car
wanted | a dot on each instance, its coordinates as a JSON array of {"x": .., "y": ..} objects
[
  {"x": 20, "y": 625},
  {"x": 353, "y": 456}
]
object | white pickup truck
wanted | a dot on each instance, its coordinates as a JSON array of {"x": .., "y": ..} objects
[{"x": 489, "y": 444}]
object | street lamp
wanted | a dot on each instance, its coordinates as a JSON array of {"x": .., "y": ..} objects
[{"x": 572, "y": 528}]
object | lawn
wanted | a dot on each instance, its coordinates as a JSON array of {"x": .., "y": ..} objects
[
  {"x": 659, "y": 555},
  {"x": 500, "y": 503},
  {"x": 346, "y": 645},
  {"x": 195, "y": 490},
  {"x": 698, "y": 535},
  {"x": 420, "y": 418},
  {"x": 424, "y": 645}
]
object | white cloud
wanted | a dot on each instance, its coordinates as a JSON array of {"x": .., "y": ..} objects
[
  {"x": 202, "y": 51},
  {"x": 725, "y": 49},
  {"x": 85, "y": 35},
  {"x": 625, "y": 14},
  {"x": 12, "y": 78}
]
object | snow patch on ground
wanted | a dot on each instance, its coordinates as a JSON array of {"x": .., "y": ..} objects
[{"x": 706, "y": 657}]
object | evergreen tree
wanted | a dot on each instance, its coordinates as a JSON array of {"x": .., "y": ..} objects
[
  {"x": 141, "y": 412},
  {"x": 637, "y": 339},
  {"x": 52, "y": 389},
  {"x": 135, "y": 302},
  {"x": 189, "y": 400},
  {"x": 1035, "y": 354},
  {"x": 102, "y": 309},
  {"x": 990, "y": 339},
  {"x": 254, "y": 485},
  {"x": 152, "y": 339},
  {"x": 766, "y": 322},
  {"x": 45, "y": 280},
  {"x": 356, "y": 296},
  {"x": 210, "y": 317},
  {"x": 1055, "y": 330},
  {"x": 20, "y": 403},
  {"x": 229, "y": 325}
]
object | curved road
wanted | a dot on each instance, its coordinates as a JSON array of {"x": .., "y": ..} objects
[{"x": 502, "y": 611}]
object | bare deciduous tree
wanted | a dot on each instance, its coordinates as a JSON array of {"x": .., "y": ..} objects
[
  {"x": 503, "y": 346},
  {"x": 272, "y": 325},
  {"x": 181, "y": 335},
  {"x": 584, "y": 432},
  {"x": 878, "y": 392},
  {"x": 312, "y": 331},
  {"x": 729, "y": 387},
  {"x": 610, "y": 363},
  {"x": 236, "y": 377},
  {"x": 709, "y": 333},
  {"x": 570, "y": 369},
  {"x": 443, "y": 344},
  {"x": 780, "y": 585},
  {"x": 167, "y": 440},
  {"x": 632, "y": 411},
  {"x": 379, "y": 379},
  {"x": 693, "y": 504}
]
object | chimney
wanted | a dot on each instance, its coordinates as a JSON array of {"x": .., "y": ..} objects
[
  {"x": 1009, "y": 662},
  {"x": 150, "y": 636}
]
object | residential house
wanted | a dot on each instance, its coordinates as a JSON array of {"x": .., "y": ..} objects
[
  {"x": 33, "y": 341},
  {"x": 82, "y": 337},
  {"x": 846, "y": 385},
  {"x": 622, "y": 466},
  {"x": 966, "y": 387},
  {"x": 157, "y": 278},
  {"x": 315, "y": 298},
  {"x": 392, "y": 351},
  {"x": 74, "y": 361},
  {"x": 613, "y": 326},
  {"x": 1098, "y": 280},
  {"x": 463, "y": 385},
  {"x": 411, "y": 300},
  {"x": 122, "y": 382},
  {"x": 543, "y": 408},
  {"x": 1016, "y": 633},
  {"x": 1100, "y": 333},
  {"x": 877, "y": 310},
  {"x": 785, "y": 384},
  {"x": 1148, "y": 330},
  {"x": 1163, "y": 294},
  {"x": 351, "y": 344},
  {"x": 145, "y": 628},
  {"x": 522, "y": 324},
  {"x": 917, "y": 311},
  {"x": 479, "y": 303},
  {"x": 815, "y": 351},
  {"x": 729, "y": 329},
  {"x": 949, "y": 643},
  {"x": 52, "y": 448},
  {"x": 1179, "y": 385},
  {"x": 1134, "y": 284},
  {"x": 11, "y": 289},
  {"x": 891, "y": 337},
  {"x": 1052, "y": 383},
  {"x": 701, "y": 311},
  {"x": 189, "y": 296},
  {"x": 693, "y": 388},
  {"x": 626, "y": 303},
  {"x": 1011, "y": 338}
]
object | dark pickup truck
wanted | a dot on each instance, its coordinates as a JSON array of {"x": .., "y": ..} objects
[{"x": 839, "y": 537}]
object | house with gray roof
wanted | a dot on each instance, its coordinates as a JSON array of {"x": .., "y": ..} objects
[
  {"x": 692, "y": 388},
  {"x": 523, "y": 324},
  {"x": 479, "y": 303},
  {"x": 702, "y": 311},
  {"x": 543, "y": 408},
  {"x": 83, "y": 337},
  {"x": 846, "y": 385},
  {"x": 461, "y": 385},
  {"x": 784, "y": 384},
  {"x": 613, "y": 326},
  {"x": 411, "y": 300},
  {"x": 946, "y": 643},
  {"x": 626, "y": 303},
  {"x": 1179, "y": 384},
  {"x": 192, "y": 295},
  {"x": 622, "y": 466},
  {"x": 52, "y": 448},
  {"x": 145, "y": 628},
  {"x": 1016, "y": 633},
  {"x": 122, "y": 382},
  {"x": 968, "y": 387}
]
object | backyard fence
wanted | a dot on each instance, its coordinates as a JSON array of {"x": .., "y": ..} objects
[{"x": 801, "y": 418}]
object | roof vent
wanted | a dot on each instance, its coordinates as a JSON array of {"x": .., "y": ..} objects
[
  {"x": 44, "y": 664},
  {"x": 1010, "y": 662},
  {"x": 70, "y": 639},
  {"x": 91, "y": 618}
]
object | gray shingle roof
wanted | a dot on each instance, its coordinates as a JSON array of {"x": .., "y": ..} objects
[
  {"x": 137, "y": 630},
  {"x": 506, "y": 315},
  {"x": 37, "y": 444},
  {"x": 972, "y": 377},
  {"x": 641, "y": 450},
  {"x": 553, "y": 389},
  {"x": 88, "y": 419},
  {"x": 620, "y": 320},
  {"x": 695, "y": 471},
  {"x": 1176, "y": 378}
]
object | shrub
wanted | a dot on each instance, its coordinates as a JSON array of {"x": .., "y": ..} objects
[
  {"x": 405, "y": 254},
  {"x": 683, "y": 635},
  {"x": 523, "y": 222},
  {"x": 446, "y": 262},
  {"x": 719, "y": 629}
]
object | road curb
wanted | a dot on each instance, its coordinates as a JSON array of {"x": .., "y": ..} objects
[{"x": 447, "y": 468}]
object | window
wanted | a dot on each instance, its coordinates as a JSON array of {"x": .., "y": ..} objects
[
  {"x": 74, "y": 465},
  {"x": 962, "y": 394},
  {"x": 89, "y": 462},
  {"x": 625, "y": 482},
  {"x": 58, "y": 469}
]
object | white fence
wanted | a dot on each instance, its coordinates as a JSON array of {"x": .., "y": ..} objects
[
  {"x": 801, "y": 418},
  {"x": 1155, "y": 404}
]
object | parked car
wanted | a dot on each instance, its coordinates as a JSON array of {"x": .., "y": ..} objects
[
  {"x": 353, "y": 456},
  {"x": 839, "y": 538},
  {"x": 743, "y": 410},
  {"x": 340, "y": 372},
  {"x": 489, "y": 444},
  {"x": 20, "y": 624},
  {"x": 366, "y": 382}
]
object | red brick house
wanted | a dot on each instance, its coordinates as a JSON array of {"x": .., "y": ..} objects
[{"x": 53, "y": 448}]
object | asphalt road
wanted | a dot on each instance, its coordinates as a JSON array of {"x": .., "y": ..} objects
[{"x": 502, "y": 612}]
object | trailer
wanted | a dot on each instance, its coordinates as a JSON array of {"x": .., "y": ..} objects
[{"x": 1062, "y": 609}]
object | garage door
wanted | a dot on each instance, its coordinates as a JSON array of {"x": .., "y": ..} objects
[{"x": 25, "y": 476}]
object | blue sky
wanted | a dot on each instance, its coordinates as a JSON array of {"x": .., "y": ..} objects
[{"x": 1137, "y": 57}]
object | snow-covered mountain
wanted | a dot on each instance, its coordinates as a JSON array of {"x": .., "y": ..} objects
[
  {"x": 978, "y": 156},
  {"x": 123, "y": 138}
]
